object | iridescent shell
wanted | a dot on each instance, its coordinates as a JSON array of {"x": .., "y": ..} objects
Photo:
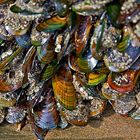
[
  {"x": 136, "y": 65},
  {"x": 82, "y": 34},
  {"x": 49, "y": 70},
  {"x": 83, "y": 64},
  {"x": 127, "y": 52},
  {"x": 96, "y": 78},
  {"x": 12, "y": 79},
  {"x": 45, "y": 53},
  {"x": 47, "y": 116},
  {"x": 15, "y": 115},
  {"x": 24, "y": 40},
  {"x": 28, "y": 62},
  {"x": 123, "y": 82},
  {"x": 63, "y": 88},
  {"x": 105, "y": 36},
  {"x": 78, "y": 116},
  {"x": 52, "y": 24}
]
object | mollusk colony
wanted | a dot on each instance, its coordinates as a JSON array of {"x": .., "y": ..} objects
[{"x": 63, "y": 61}]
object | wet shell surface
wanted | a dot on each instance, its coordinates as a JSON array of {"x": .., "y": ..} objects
[{"x": 62, "y": 62}]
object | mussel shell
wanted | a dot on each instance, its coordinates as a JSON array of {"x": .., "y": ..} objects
[
  {"x": 63, "y": 88},
  {"x": 62, "y": 44},
  {"x": 23, "y": 40},
  {"x": 89, "y": 7},
  {"x": 2, "y": 115},
  {"x": 123, "y": 82},
  {"x": 124, "y": 105},
  {"x": 8, "y": 99},
  {"x": 49, "y": 9},
  {"x": 96, "y": 78},
  {"x": 47, "y": 116},
  {"x": 17, "y": 25},
  {"x": 97, "y": 106},
  {"x": 129, "y": 13},
  {"x": 62, "y": 7},
  {"x": 130, "y": 56},
  {"x": 15, "y": 8},
  {"x": 63, "y": 122},
  {"x": 109, "y": 93},
  {"x": 34, "y": 93},
  {"x": 118, "y": 61},
  {"x": 78, "y": 116},
  {"x": 138, "y": 97},
  {"x": 113, "y": 11},
  {"x": 79, "y": 82},
  {"x": 45, "y": 53},
  {"x": 39, "y": 38},
  {"x": 49, "y": 70},
  {"x": 10, "y": 54},
  {"x": 136, "y": 65},
  {"x": 16, "y": 32},
  {"x": 82, "y": 64},
  {"x": 136, "y": 115},
  {"x": 28, "y": 62},
  {"x": 4, "y": 34},
  {"x": 52, "y": 24},
  {"x": 15, "y": 115},
  {"x": 82, "y": 34},
  {"x": 11, "y": 78},
  {"x": 16, "y": 76},
  {"x": 6, "y": 1}
]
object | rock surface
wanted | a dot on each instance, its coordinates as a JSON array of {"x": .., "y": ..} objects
[{"x": 110, "y": 127}]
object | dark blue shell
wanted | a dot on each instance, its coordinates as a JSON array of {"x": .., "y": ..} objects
[
  {"x": 136, "y": 65},
  {"x": 133, "y": 51},
  {"x": 23, "y": 40}
]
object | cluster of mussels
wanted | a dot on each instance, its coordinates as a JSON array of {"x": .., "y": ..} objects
[{"x": 63, "y": 61}]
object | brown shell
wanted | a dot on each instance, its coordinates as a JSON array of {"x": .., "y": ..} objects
[
  {"x": 63, "y": 88},
  {"x": 82, "y": 33}
]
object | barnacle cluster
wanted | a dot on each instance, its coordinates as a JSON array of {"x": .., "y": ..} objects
[{"x": 63, "y": 61}]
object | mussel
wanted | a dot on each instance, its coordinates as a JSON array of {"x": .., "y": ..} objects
[
  {"x": 63, "y": 88},
  {"x": 44, "y": 115},
  {"x": 123, "y": 82},
  {"x": 15, "y": 115},
  {"x": 78, "y": 116},
  {"x": 90, "y": 7},
  {"x": 84, "y": 63},
  {"x": 117, "y": 60},
  {"x": 97, "y": 106},
  {"x": 2, "y": 115},
  {"x": 124, "y": 105}
]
